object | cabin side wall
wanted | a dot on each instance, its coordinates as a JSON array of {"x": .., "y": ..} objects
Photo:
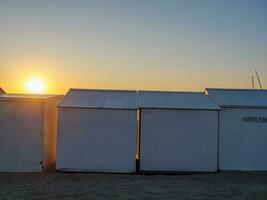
[
  {"x": 50, "y": 132},
  {"x": 243, "y": 139},
  {"x": 21, "y": 124},
  {"x": 100, "y": 140},
  {"x": 179, "y": 140}
]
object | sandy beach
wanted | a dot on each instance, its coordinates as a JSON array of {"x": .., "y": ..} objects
[{"x": 56, "y": 185}]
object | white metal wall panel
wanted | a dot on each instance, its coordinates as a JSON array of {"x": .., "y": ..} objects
[
  {"x": 179, "y": 140},
  {"x": 21, "y": 125},
  {"x": 101, "y": 140},
  {"x": 243, "y": 144}
]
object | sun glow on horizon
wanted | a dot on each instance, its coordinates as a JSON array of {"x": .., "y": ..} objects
[{"x": 36, "y": 86}]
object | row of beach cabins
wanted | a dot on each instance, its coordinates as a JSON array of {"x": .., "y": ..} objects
[{"x": 134, "y": 131}]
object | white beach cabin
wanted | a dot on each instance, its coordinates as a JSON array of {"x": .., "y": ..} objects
[
  {"x": 28, "y": 125},
  {"x": 178, "y": 132},
  {"x": 243, "y": 128},
  {"x": 97, "y": 131}
]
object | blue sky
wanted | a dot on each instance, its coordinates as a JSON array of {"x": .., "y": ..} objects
[{"x": 159, "y": 45}]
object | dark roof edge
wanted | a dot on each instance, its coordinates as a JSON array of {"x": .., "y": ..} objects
[
  {"x": 243, "y": 106},
  {"x": 82, "y": 107},
  {"x": 100, "y": 90},
  {"x": 190, "y": 92},
  {"x": 235, "y": 89},
  {"x": 189, "y": 108},
  {"x": 31, "y": 98}
]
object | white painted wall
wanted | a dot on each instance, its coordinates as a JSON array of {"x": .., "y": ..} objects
[
  {"x": 242, "y": 145},
  {"x": 101, "y": 140},
  {"x": 179, "y": 140},
  {"x": 21, "y": 128}
]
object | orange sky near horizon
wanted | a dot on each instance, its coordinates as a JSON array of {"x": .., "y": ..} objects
[
  {"x": 58, "y": 82},
  {"x": 59, "y": 77}
]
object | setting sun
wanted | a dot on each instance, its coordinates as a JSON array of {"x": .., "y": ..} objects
[{"x": 36, "y": 86}]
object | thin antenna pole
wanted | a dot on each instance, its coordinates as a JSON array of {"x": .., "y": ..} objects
[
  {"x": 252, "y": 78},
  {"x": 258, "y": 78}
]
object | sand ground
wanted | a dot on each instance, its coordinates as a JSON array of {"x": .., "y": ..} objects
[{"x": 215, "y": 186}]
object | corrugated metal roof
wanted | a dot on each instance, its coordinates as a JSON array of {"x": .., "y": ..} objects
[
  {"x": 238, "y": 97},
  {"x": 15, "y": 97},
  {"x": 175, "y": 100},
  {"x": 89, "y": 98}
]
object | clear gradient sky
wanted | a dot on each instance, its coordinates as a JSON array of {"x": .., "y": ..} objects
[{"x": 138, "y": 44}]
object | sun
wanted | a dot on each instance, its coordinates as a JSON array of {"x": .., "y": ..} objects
[{"x": 36, "y": 86}]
